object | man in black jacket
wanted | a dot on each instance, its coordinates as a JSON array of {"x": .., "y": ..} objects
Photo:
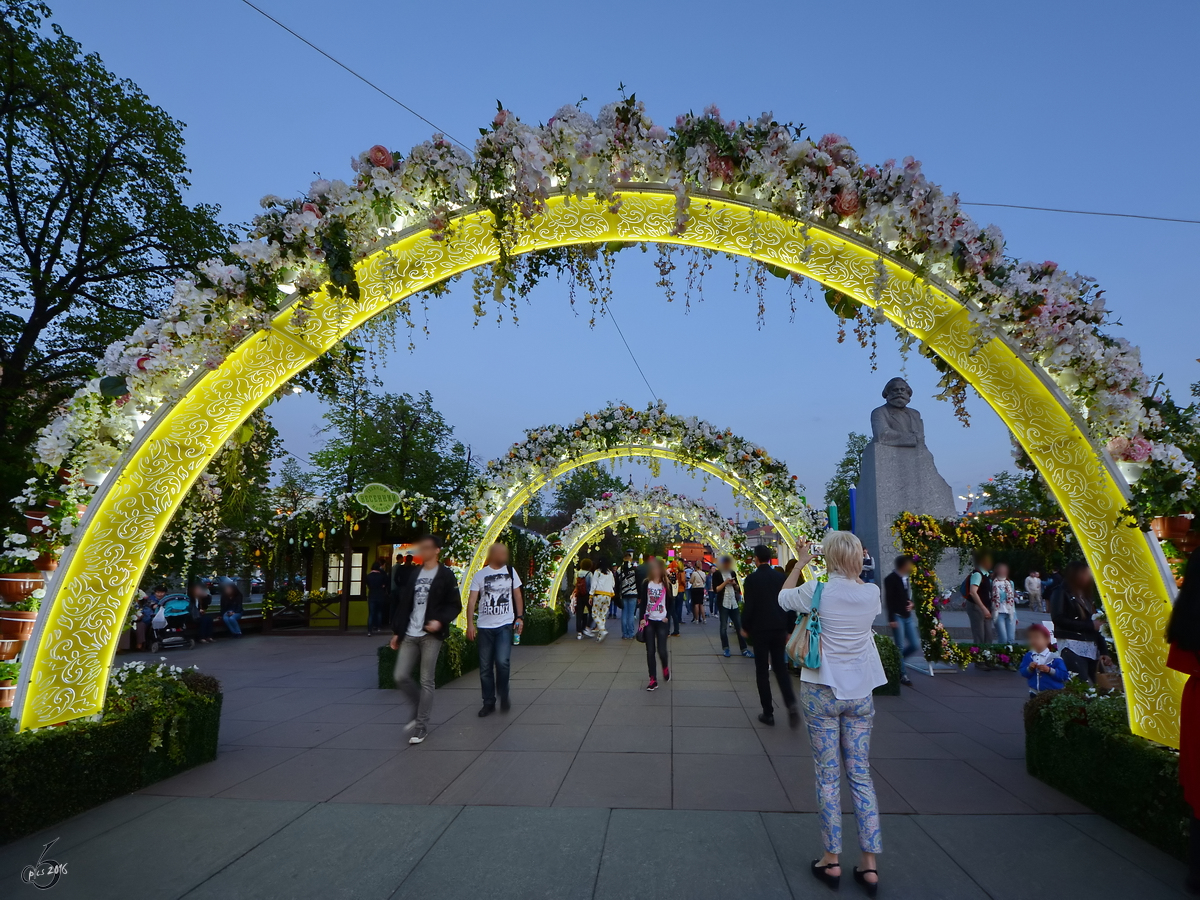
[
  {"x": 428, "y": 602},
  {"x": 766, "y": 622},
  {"x": 897, "y": 593}
]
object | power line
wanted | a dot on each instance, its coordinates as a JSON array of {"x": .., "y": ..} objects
[
  {"x": 1085, "y": 212},
  {"x": 361, "y": 78},
  {"x": 608, "y": 309}
]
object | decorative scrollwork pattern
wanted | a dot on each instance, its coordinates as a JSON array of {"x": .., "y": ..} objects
[{"x": 78, "y": 628}]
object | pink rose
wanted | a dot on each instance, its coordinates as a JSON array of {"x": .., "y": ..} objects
[
  {"x": 311, "y": 208},
  {"x": 501, "y": 118},
  {"x": 381, "y": 156},
  {"x": 845, "y": 204}
]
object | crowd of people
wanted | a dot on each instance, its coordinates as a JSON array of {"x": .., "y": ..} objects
[
  {"x": 150, "y": 611},
  {"x": 648, "y": 599}
]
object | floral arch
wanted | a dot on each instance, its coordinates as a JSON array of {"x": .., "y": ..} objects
[
  {"x": 530, "y": 200},
  {"x": 619, "y": 431},
  {"x": 656, "y": 503}
]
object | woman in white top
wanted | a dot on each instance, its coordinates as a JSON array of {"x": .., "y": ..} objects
[
  {"x": 836, "y": 698},
  {"x": 602, "y": 589}
]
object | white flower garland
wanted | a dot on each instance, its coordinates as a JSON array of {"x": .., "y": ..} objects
[{"x": 311, "y": 242}]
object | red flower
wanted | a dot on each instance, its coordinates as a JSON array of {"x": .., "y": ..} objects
[{"x": 381, "y": 156}]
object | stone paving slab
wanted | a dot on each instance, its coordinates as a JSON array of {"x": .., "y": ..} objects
[{"x": 585, "y": 776}]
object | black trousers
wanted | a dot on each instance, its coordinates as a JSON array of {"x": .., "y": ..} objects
[
  {"x": 1193, "y": 879},
  {"x": 770, "y": 648},
  {"x": 583, "y": 616},
  {"x": 1082, "y": 666},
  {"x": 656, "y": 638}
]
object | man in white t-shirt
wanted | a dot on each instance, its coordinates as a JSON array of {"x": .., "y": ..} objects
[{"x": 496, "y": 596}]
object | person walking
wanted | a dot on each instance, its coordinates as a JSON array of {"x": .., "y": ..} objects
[
  {"x": 602, "y": 590},
  {"x": 978, "y": 594},
  {"x": 709, "y": 592},
  {"x": 729, "y": 592},
  {"x": 868, "y": 567},
  {"x": 765, "y": 621},
  {"x": 627, "y": 592},
  {"x": 377, "y": 599},
  {"x": 696, "y": 594},
  {"x": 902, "y": 617},
  {"x": 837, "y": 699},
  {"x": 495, "y": 612},
  {"x": 1004, "y": 606},
  {"x": 1183, "y": 636},
  {"x": 580, "y": 606},
  {"x": 1033, "y": 587},
  {"x": 675, "y": 604},
  {"x": 231, "y": 608},
  {"x": 1072, "y": 609},
  {"x": 428, "y": 602},
  {"x": 398, "y": 577},
  {"x": 654, "y": 598}
]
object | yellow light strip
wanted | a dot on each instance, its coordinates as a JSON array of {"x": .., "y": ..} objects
[{"x": 79, "y": 625}]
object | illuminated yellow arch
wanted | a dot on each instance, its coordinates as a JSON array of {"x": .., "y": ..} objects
[
  {"x": 77, "y": 631},
  {"x": 724, "y": 546},
  {"x": 514, "y": 502}
]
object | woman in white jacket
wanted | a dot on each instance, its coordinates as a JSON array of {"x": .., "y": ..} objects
[
  {"x": 604, "y": 586},
  {"x": 837, "y": 699}
]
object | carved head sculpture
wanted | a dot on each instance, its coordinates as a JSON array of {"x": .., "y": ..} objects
[{"x": 897, "y": 393}]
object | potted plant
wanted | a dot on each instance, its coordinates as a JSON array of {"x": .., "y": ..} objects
[
  {"x": 16, "y": 619},
  {"x": 18, "y": 577},
  {"x": 8, "y": 682}
]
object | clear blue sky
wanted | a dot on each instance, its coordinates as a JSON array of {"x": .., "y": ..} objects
[{"x": 1023, "y": 102}]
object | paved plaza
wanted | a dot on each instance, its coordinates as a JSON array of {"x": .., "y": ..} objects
[{"x": 589, "y": 787}]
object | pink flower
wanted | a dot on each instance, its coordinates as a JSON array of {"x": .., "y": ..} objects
[
  {"x": 380, "y": 156},
  {"x": 845, "y": 204},
  {"x": 311, "y": 208},
  {"x": 141, "y": 363},
  {"x": 501, "y": 118}
]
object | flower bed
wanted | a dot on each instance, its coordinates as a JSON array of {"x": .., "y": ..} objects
[
  {"x": 995, "y": 656},
  {"x": 1080, "y": 743},
  {"x": 157, "y": 722},
  {"x": 458, "y": 656}
]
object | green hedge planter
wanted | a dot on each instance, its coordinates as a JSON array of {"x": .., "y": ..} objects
[
  {"x": 544, "y": 625},
  {"x": 458, "y": 656},
  {"x": 1125, "y": 778},
  {"x": 51, "y": 774},
  {"x": 893, "y": 665}
]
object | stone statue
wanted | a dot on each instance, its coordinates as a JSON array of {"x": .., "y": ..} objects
[
  {"x": 894, "y": 424},
  {"x": 898, "y": 474}
]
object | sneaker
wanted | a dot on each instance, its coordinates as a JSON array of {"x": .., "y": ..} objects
[
  {"x": 487, "y": 710},
  {"x": 666, "y": 674},
  {"x": 793, "y": 717},
  {"x": 906, "y": 681},
  {"x": 505, "y": 706},
  {"x": 727, "y": 653},
  {"x": 652, "y": 686},
  {"x": 601, "y": 635},
  {"x": 420, "y": 735},
  {"x": 578, "y": 637},
  {"x": 589, "y": 633},
  {"x": 766, "y": 718},
  {"x": 749, "y": 654}
]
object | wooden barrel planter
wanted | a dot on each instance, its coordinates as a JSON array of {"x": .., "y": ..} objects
[
  {"x": 1171, "y": 528},
  {"x": 16, "y": 625},
  {"x": 8, "y": 692},
  {"x": 9, "y": 649},
  {"x": 17, "y": 586}
]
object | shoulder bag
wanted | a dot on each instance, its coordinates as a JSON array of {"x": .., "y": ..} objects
[{"x": 804, "y": 645}]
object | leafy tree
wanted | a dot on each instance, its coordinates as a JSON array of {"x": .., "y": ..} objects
[
  {"x": 845, "y": 476},
  {"x": 581, "y": 485},
  {"x": 1020, "y": 494},
  {"x": 93, "y": 224},
  {"x": 395, "y": 439}
]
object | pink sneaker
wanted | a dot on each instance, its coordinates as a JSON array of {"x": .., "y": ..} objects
[
  {"x": 652, "y": 686},
  {"x": 666, "y": 674}
]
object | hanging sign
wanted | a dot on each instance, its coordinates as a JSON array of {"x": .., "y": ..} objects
[{"x": 378, "y": 498}]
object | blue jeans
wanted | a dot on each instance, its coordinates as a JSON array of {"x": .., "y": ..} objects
[
  {"x": 495, "y": 656},
  {"x": 905, "y": 634},
  {"x": 377, "y": 614},
  {"x": 628, "y": 617},
  {"x": 231, "y": 621},
  {"x": 734, "y": 615},
  {"x": 1006, "y": 627}
]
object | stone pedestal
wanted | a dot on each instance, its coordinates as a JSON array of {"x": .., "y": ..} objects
[{"x": 893, "y": 480}]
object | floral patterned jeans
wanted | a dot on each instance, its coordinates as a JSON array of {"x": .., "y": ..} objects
[{"x": 844, "y": 724}]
